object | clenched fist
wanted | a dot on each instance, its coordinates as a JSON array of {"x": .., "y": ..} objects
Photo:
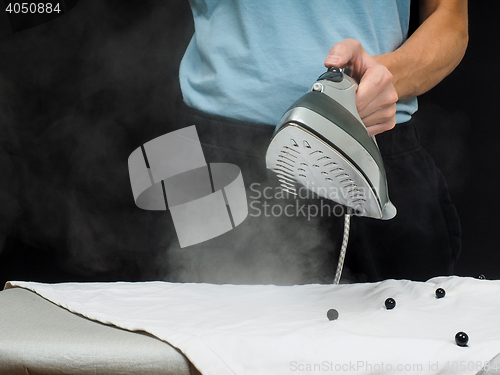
[{"x": 376, "y": 96}]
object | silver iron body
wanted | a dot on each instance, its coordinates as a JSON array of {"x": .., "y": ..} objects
[{"x": 322, "y": 144}]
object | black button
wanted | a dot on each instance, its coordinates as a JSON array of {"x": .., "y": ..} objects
[
  {"x": 332, "y": 314},
  {"x": 333, "y": 74},
  {"x": 461, "y": 339},
  {"x": 390, "y": 303},
  {"x": 440, "y": 293}
]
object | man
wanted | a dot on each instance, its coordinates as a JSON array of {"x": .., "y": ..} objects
[{"x": 249, "y": 60}]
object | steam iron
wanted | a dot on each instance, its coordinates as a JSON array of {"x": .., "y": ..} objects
[{"x": 321, "y": 144}]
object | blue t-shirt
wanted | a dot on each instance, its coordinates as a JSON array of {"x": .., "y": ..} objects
[{"x": 251, "y": 59}]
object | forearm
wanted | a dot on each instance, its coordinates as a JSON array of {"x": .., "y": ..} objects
[{"x": 433, "y": 51}]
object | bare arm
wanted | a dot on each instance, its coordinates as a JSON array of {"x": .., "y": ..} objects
[{"x": 433, "y": 51}]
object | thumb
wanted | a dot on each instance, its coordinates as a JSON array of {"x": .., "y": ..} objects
[
  {"x": 343, "y": 53},
  {"x": 350, "y": 53}
]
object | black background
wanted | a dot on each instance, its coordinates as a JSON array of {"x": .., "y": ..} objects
[{"x": 79, "y": 93}]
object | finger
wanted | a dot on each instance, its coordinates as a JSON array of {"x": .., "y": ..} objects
[
  {"x": 344, "y": 52},
  {"x": 385, "y": 115},
  {"x": 375, "y": 80},
  {"x": 380, "y": 128},
  {"x": 385, "y": 100}
]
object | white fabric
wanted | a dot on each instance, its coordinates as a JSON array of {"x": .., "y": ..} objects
[{"x": 267, "y": 329}]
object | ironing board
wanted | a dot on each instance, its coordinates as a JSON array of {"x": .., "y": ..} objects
[{"x": 38, "y": 337}]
